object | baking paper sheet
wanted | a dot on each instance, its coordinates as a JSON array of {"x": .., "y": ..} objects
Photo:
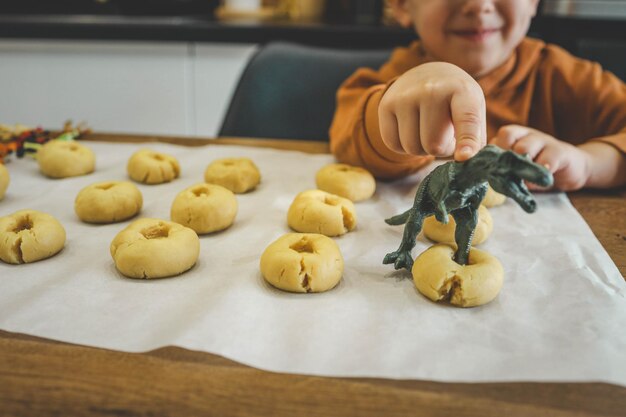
[{"x": 560, "y": 316}]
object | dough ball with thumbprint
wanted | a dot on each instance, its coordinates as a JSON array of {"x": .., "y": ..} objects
[
  {"x": 316, "y": 211},
  {"x": 63, "y": 159},
  {"x": 205, "y": 208},
  {"x": 444, "y": 233},
  {"x": 29, "y": 235},
  {"x": 437, "y": 276},
  {"x": 239, "y": 175},
  {"x": 353, "y": 183},
  {"x": 108, "y": 202},
  {"x": 149, "y": 167},
  {"x": 302, "y": 262},
  {"x": 493, "y": 198},
  {"x": 154, "y": 248},
  {"x": 5, "y": 179}
]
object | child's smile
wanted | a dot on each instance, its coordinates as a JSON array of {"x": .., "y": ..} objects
[{"x": 475, "y": 35}]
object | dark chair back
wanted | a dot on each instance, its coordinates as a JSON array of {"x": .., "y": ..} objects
[
  {"x": 288, "y": 91},
  {"x": 610, "y": 54}
]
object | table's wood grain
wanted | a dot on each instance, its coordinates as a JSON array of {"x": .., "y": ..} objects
[
  {"x": 41, "y": 377},
  {"x": 605, "y": 212}
]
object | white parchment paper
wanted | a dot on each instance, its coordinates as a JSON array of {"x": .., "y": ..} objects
[{"x": 560, "y": 316}]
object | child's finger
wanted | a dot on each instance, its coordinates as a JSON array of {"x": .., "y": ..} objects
[
  {"x": 508, "y": 135},
  {"x": 549, "y": 158},
  {"x": 468, "y": 116},
  {"x": 554, "y": 161},
  {"x": 530, "y": 145},
  {"x": 535, "y": 187},
  {"x": 409, "y": 129},
  {"x": 388, "y": 126},
  {"x": 436, "y": 129}
]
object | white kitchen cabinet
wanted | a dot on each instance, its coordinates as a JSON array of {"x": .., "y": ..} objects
[{"x": 124, "y": 87}]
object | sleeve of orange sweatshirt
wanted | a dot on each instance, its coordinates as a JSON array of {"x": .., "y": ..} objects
[
  {"x": 590, "y": 100},
  {"x": 355, "y": 135},
  {"x": 609, "y": 112}
]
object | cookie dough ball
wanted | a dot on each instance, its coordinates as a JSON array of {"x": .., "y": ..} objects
[
  {"x": 239, "y": 175},
  {"x": 205, "y": 208},
  {"x": 440, "y": 278},
  {"x": 316, "y": 211},
  {"x": 493, "y": 198},
  {"x": 150, "y": 167},
  {"x": 62, "y": 159},
  {"x": 153, "y": 248},
  {"x": 302, "y": 262},
  {"x": 4, "y": 180},
  {"x": 108, "y": 202},
  {"x": 29, "y": 236},
  {"x": 353, "y": 183},
  {"x": 444, "y": 233}
]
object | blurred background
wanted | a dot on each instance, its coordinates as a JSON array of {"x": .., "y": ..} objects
[
  {"x": 175, "y": 67},
  {"x": 336, "y": 10}
]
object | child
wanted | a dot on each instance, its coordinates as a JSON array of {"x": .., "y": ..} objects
[{"x": 474, "y": 77}]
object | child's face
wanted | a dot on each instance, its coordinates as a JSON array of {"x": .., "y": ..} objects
[{"x": 476, "y": 35}]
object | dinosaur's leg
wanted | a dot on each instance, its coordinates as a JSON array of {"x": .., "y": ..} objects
[
  {"x": 401, "y": 258},
  {"x": 466, "y": 219}
]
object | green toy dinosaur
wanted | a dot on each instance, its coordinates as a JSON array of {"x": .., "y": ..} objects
[{"x": 458, "y": 188}]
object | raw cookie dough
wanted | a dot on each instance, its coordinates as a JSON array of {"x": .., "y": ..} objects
[
  {"x": 150, "y": 167},
  {"x": 154, "y": 248},
  {"x": 316, "y": 211},
  {"x": 444, "y": 233},
  {"x": 205, "y": 208},
  {"x": 4, "y": 180},
  {"x": 438, "y": 277},
  {"x": 239, "y": 175},
  {"x": 353, "y": 183},
  {"x": 302, "y": 262},
  {"x": 108, "y": 202},
  {"x": 29, "y": 236},
  {"x": 493, "y": 198},
  {"x": 62, "y": 159}
]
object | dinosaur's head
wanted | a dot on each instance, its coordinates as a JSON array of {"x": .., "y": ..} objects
[{"x": 507, "y": 172}]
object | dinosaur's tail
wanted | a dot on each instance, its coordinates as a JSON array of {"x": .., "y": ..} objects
[{"x": 399, "y": 219}]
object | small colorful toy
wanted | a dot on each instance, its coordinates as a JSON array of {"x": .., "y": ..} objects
[{"x": 22, "y": 140}]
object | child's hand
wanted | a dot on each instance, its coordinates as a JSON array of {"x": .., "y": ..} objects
[
  {"x": 429, "y": 106},
  {"x": 568, "y": 164}
]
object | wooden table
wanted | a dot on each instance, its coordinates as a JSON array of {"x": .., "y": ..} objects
[{"x": 40, "y": 377}]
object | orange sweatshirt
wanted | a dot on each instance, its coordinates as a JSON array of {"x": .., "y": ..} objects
[{"x": 541, "y": 86}]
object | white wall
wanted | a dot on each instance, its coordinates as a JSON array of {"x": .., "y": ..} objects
[{"x": 125, "y": 87}]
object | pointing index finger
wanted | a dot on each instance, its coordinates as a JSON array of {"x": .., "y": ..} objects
[{"x": 470, "y": 124}]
